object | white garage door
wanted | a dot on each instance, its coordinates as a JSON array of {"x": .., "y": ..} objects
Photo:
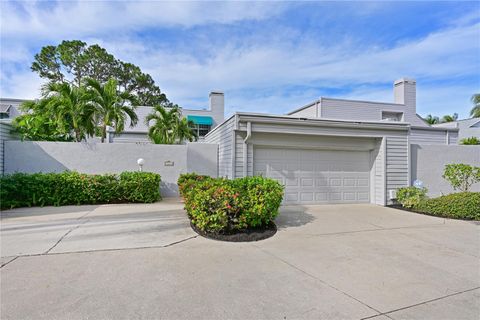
[{"x": 317, "y": 176}]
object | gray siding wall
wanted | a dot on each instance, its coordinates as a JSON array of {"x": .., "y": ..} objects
[
  {"x": 223, "y": 136},
  {"x": 428, "y": 163},
  {"x": 396, "y": 164},
  {"x": 5, "y": 135},
  {"x": 309, "y": 112},
  {"x": 239, "y": 160},
  {"x": 377, "y": 176},
  {"x": 469, "y": 128},
  {"x": 453, "y": 137},
  {"x": 364, "y": 110},
  {"x": 112, "y": 158},
  {"x": 129, "y": 137},
  {"x": 429, "y": 136}
]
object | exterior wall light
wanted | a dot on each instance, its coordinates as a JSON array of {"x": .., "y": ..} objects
[{"x": 140, "y": 163}]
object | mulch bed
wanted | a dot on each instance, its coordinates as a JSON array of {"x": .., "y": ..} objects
[
  {"x": 400, "y": 207},
  {"x": 246, "y": 235}
]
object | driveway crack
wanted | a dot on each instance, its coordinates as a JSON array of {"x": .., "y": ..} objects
[
  {"x": 422, "y": 303},
  {"x": 322, "y": 281},
  {"x": 9, "y": 261},
  {"x": 70, "y": 230}
]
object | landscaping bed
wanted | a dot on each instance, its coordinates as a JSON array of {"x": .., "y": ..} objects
[
  {"x": 245, "y": 235},
  {"x": 462, "y": 205},
  {"x": 231, "y": 210},
  {"x": 73, "y": 188}
]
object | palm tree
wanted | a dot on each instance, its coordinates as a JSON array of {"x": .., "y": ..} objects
[
  {"x": 431, "y": 119},
  {"x": 475, "y": 112},
  {"x": 185, "y": 132},
  {"x": 111, "y": 106},
  {"x": 71, "y": 108},
  {"x": 168, "y": 126},
  {"x": 449, "y": 118}
]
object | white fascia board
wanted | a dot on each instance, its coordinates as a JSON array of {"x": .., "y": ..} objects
[
  {"x": 265, "y": 118},
  {"x": 435, "y": 128}
]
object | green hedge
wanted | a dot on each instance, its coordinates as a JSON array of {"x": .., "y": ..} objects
[
  {"x": 222, "y": 205},
  {"x": 464, "y": 205},
  {"x": 67, "y": 188}
]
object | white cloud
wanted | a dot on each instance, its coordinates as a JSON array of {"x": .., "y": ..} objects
[
  {"x": 261, "y": 72},
  {"x": 20, "y": 85},
  {"x": 67, "y": 19}
]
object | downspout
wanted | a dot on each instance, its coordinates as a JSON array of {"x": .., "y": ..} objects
[{"x": 245, "y": 148}]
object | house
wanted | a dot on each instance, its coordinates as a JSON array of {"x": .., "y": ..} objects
[
  {"x": 204, "y": 120},
  {"x": 331, "y": 150},
  {"x": 466, "y": 128},
  {"x": 9, "y": 108}
]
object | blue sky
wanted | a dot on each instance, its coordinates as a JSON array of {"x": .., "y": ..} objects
[{"x": 266, "y": 56}]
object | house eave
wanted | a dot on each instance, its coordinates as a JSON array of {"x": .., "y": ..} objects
[
  {"x": 321, "y": 122},
  {"x": 434, "y": 128}
]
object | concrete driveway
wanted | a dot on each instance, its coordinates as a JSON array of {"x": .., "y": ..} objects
[{"x": 326, "y": 262}]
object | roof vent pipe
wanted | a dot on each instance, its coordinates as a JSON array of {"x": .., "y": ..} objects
[{"x": 245, "y": 148}]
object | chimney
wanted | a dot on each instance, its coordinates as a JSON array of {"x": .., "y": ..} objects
[
  {"x": 217, "y": 106},
  {"x": 405, "y": 92}
]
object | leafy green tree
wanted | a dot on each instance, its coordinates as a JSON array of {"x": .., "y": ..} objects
[
  {"x": 70, "y": 108},
  {"x": 73, "y": 61},
  {"x": 475, "y": 112},
  {"x": 431, "y": 119},
  {"x": 449, "y": 118},
  {"x": 38, "y": 123},
  {"x": 112, "y": 107},
  {"x": 168, "y": 126},
  {"x": 131, "y": 78},
  {"x": 461, "y": 176}
]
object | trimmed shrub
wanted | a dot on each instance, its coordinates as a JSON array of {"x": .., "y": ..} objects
[
  {"x": 464, "y": 205},
  {"x": 187, "y": 181},
  {"x": 224, "y": 206},
  {"x": 67, "y": 188},
  {"x": 409, "y": 197},
  {"x": 470, "y": 141}
]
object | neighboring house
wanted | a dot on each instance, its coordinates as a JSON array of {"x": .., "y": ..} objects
[
  {"x": 5, "y": 135},
  {"x": 9, "y": 108},
  {"x": 466, "y": 128},
  {"x": 332, "y": 150},
  {"x": 204, "y": 121}
]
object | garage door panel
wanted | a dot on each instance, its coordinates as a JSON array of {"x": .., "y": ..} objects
[
  {"x": 291, "y": 182},
  {"x": 363, "y": 196},
  {"x": 349, "y": 182},
  {"x": 317, "y": 176},
  {"x": 306, "y": 196},
  {"x": 363, "y": 182},
  {"x": 291, "y": 197},
  {"x": 335, "y": 196},
  {"x": 349, "y": 196},
  {"x": 321, "y": 196},
  {"x": 306, "y": 182},
  {"x": 321, "y": 182}
]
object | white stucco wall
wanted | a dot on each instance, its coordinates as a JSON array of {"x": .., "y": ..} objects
[
  {"x": 112, "y": 158},
  {"x": 428, "y": 163}
]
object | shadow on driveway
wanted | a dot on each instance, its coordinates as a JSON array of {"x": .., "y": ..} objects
[{"x": 293, "y": 216}]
